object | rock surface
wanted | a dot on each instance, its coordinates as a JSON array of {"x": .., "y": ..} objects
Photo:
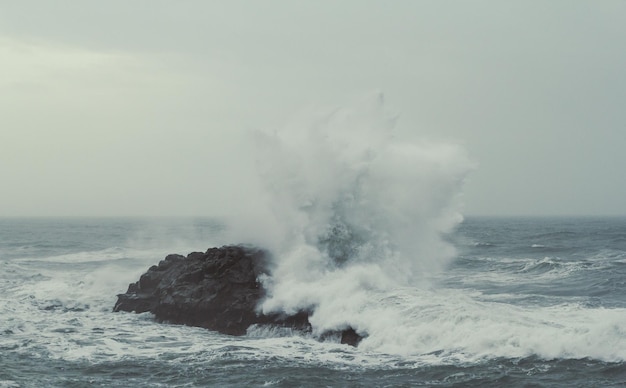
[{"x": 218, "y": 290}]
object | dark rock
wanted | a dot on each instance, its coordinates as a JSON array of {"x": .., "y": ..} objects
[
  {"x": 217, "y": 290},
  {"x": 350, "y": 337}
]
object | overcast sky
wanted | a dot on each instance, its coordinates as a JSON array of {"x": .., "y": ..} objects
[{"x": 136, "y": 107}]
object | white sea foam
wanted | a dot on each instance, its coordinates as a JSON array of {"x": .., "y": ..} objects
[
  {"x": 406, "y": 325},
  {"x": 107, "y": 254},
  {"x": 460, "y": 328}
]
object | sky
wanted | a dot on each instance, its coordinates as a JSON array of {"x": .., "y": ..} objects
[{"x": 138, "y": 108}]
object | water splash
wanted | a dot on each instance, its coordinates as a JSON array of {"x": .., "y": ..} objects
[{"x": 351, "y": 209}]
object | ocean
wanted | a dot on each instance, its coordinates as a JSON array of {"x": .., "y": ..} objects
[{"x": 520, "y": 302}]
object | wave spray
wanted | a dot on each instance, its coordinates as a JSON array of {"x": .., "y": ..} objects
[{"x": 350, "y": 211}]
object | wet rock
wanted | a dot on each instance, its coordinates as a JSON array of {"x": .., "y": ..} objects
[
  {"x": 217, "y": 289},
  {"x": 350, "y": 337}
]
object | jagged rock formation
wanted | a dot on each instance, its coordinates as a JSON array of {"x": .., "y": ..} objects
[{"x": 217, "y": 289}]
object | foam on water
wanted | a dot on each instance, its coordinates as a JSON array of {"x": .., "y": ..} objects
[
  {"x": 66, "y": 315},
  {"x": 455, "y": 327}
]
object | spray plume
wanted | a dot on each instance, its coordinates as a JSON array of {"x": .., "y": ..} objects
[{"x": 349, "y": 211}]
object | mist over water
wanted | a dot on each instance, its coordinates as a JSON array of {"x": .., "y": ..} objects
[{"x": 350, "y": 210}]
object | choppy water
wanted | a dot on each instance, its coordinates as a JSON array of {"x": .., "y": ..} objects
[{"x": 526, "y": 302}]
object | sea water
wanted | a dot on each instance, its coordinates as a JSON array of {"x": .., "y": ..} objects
[{"x": 526, "y": 302}]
